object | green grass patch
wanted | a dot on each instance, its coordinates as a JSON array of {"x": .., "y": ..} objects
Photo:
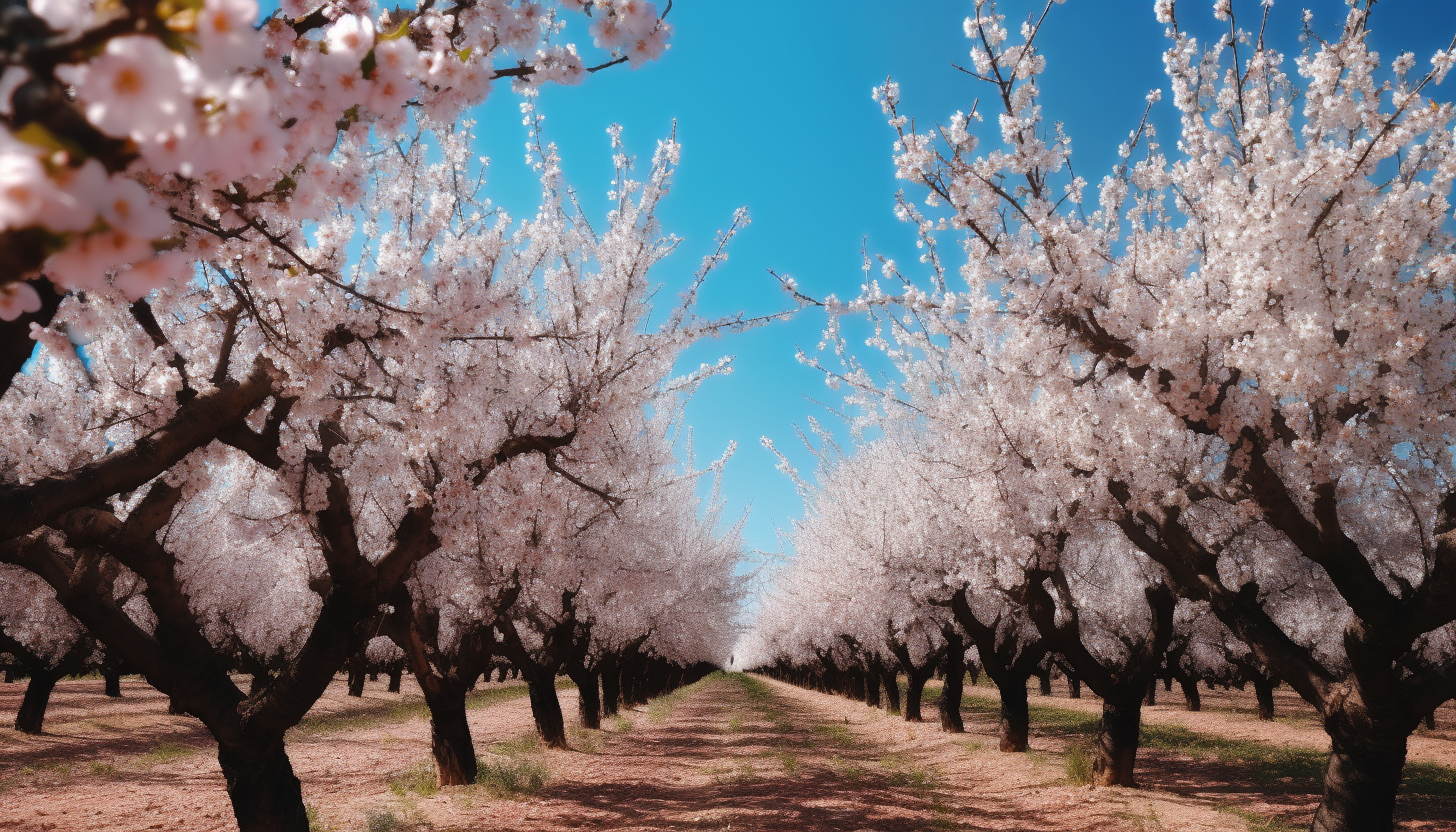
[
  {"x": 383, "y": 714},
  {"x": 1077, "y": 762},
  {"x": 735, "y": 724},
  {"x": 907, "y": 775},
  {"x": 790, "y": 764},
  {"x": 621, "y": 723},
  {"x": 1255, "y": 822},
  {"x": 525, "y": 744},
  {"x": 511, "y": 777},
  {"x": 837, "y": 734},
  {"x": 419, "y": 779},
  {"x": 165, "y": 752},
  {"x": 101, "y": 769},
  {"x": 388, "y": 820}
]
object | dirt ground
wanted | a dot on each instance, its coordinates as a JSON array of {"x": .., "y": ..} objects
[{"x": 726, "y": 753}]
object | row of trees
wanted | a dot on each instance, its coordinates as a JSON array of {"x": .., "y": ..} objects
[
  {"x": 1206, "y": 416},
  {"x": 348, "y": 397}
]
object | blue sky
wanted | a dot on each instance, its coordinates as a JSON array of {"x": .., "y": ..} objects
[{"x": 773, "y": 110}]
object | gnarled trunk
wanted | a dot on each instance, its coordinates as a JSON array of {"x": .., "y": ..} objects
[
  {"x": 112, "y": 687},
  {"x": 1015, "y": 716},
  {"x": 29, "y": 718},
  {"x": 949, "y": 702},
  {"x": 1117, "y": 742},
  {"x": 892, "y": 688},
  {"x": 1074, "y": 687},
  {"x": 1191, "y": 694},
  {"x": 265, "y": 794},
  {"x": 589, "y": 699},
  {"x": 611, "y": 685},
  {"x": 1151, "y": 698},
  {"x": 396, "y": 677},
  {"x": 872, "y": 688},
  {"x": 914, "y": 689},
  {"x": 1264, "y": 695},
  {"x": 1044, "y": 678},
  {"x": 1361, "y": 779},
  {"x": 450, "y": 740},
  {"x": 546, "y": 709}
]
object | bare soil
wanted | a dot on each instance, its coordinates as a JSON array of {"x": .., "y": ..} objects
[{"x": 726, "y": 753}]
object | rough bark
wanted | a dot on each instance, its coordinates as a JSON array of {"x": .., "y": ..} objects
[
  {"x": 914, "y": 689},
  {"x": 1117, "y": 743},
  {"x": 396, "y": 677},
  {"x": 949, "y": 702},
  {"x": 611, "y": 684},
  {"x": 589, "y": 698},
  {"x": 1191, "y": 694},
  {"x": 1151, "y": 698},
  {"x": 450, "y": 739},
  {"x": 546, "y": 709},
  {"x": 264, "y": 791},
  {"x": 31, "y": 716},
  {"x": 1264, "y": 695},
  {"x": 1015, "y": 727},
  {"x": 1361, "y": 779},
  {"x": 892, "y": 687},
  {"x": 872, "y": 688},
  {"x": 112, "y": 687}
]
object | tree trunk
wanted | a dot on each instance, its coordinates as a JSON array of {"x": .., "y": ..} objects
[
  {"x": 589, "y": 698},
  {"x": 872, "y": 688},
  {"x": 9, "y": 675},
  {"x": 1361, "y": 779},
  {"x": 1152, "y": 695},
  {"x": 450, "y": 740},
  {"x": 356, "y": 681},
  {"x": 1264, "y": 693},
  {"x": 1117, "y": 743},
  {"x": 1045, "y": 679},
  {"x": 915, "y": 687},
  {"x": 611, "y": 687},
  {"x": 37, "y": 696},
  {"x": 949, "y": 702},
  {"x": 396, "y": 676},
  {"x": 546, "y": 708},
  {"x": 113, "y": 683},
  {"x": 264, "y": 791},
  {"x": 1431, "y": 720},
  {"x": 1015, "y": 716},
  {"x": 892, "y": 688},
  {"x": 1074, "y": 687},
  {"x": 1191, "y": 694}
]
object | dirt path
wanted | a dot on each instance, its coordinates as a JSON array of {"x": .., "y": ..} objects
[
  {"x": 1231, "y": 714},
  {"x": 732, "y": 752}
]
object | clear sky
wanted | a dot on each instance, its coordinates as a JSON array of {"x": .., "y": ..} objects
[{"x": 773, "y": 110}]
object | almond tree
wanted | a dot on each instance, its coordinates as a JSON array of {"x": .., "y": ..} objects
[
  {"x": 1254, "y": 334},
  {"x": 453, "y": 349}
]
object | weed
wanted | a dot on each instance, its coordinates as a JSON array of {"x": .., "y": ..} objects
[
  {"x": 526, "y": 744},
  {"x": 315, "y": 824},
  {"x": 585, "y": 740},
  {"x": 837, "y": 734},
  {"x": 973, "y": 746},
  {"x": 1078, "y": 764},
  {"x": 735, "y": 724},
  {"x": 905, "y": 774},
  {"x": 1145, "y": 823},
  {"x": 387, "y": 821},
  {"x": 848, "y": 770},
  {"x": 511, "y": 778},
  {"x": 1260, "y": 823},
  {"x": 790, "y": 764},
  {"x": 103, "y": 769},
  {"x": 621, "y": 723},
  {"x": 419, "y": 778},
  {"x": 164, "y": 752},
  {"x": 47, "y": 773}
]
